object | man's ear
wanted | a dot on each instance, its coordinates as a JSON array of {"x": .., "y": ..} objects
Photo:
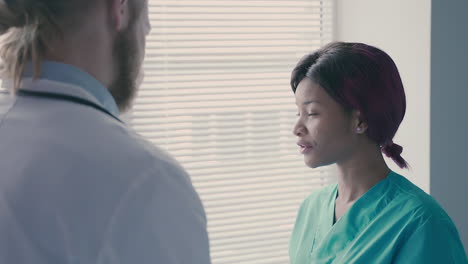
[
  {"x": 119, "y": 14},
  {"x": 359, "y": 125}
]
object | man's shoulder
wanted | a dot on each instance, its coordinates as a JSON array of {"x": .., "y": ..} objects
[{"x": 149, "y": 152}]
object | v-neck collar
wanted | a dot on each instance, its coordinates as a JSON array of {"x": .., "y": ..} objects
[
  {"x": 372, "y": 191},
  {"x": 333, "y": 237}
]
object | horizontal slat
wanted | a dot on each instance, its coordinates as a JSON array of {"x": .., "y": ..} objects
[
  {"x": 179, "y": 135},
  {"x": 236, "y": 37},
  {"x": 189, "y": 35},
  {"x": 208, "y": 57},
  {"x": 251, "y": 233},
  {"x": 213, "y": 226},
  {"x": 282, "y": 230},
  {"x": 226, "y": 50},
  {"x": 178, "y": 110},
  {"x": 228, "y": 43},
  {"x": 153, "y": 85},
  {"x": 219, "y": 177},
  {"x": 275, "y": 177},
  {"x": 234, "y": 107},
  {"x": 207, "y": 99},
  {"x": 221, "y": 220},
  {"x": 239, "y": 163},
  {"x": 215, "y": 140},
  {"x": 208, "y": 73},
  {"x": 218, "y": 215},
  {"x": 237, "y": 30},
  {"x": 256, "y": 235},
  {"x": 290, "y": 111},
  {"x": 169, "y": 111},
  {"x": 221, "y": 119},
  {"x": 269, "y": 257},
  {"x": 240, "y": 212},
  {"x": 224, "y": 3},
  {"x": 197, "y": 159},
  {"x": 240, "y": 133},
  {"x": 194, "y": 131},
  {"x": 217, "y": 77},
  {"x": 215, "y": 153},
  {"x": 238, "y": 10},
  {"x": 250, "y": 129},
  {"x": 253, "y": 246},
  {"x": 216, "y": 133},
  {"x": 260, "y": 246},
  {"x": 241, "y": 192},
  {"x": 239, "y": 252},
  {"x": 244, "y": 204},
  {"x": 184, "y": 149},
  {"x": 169, "y": 66},
  {"x": 302, "y": 17},
  {"x": 214, "y": 91},
  {"x": 256, "y": 213},
  {"x": 203, "y": 22},
  {"x": 261, "y": 211},
  {"x": 265, "y": 258}
]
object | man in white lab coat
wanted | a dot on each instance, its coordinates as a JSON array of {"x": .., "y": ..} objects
[{"x": 76, "y": 184}]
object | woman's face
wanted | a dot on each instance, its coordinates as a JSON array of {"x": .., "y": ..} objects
[{"x": 326, "y": 133}]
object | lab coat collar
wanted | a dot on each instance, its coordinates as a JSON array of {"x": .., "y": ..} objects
[{"x": 79, "y": 83}]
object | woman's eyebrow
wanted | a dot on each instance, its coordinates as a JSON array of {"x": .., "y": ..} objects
[{"x": 310, "y": 102}]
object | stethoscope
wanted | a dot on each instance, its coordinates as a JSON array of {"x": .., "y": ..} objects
[{"x": 64, "y": 97}]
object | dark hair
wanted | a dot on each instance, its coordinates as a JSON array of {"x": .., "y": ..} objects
[{"x": 364, "y": 78}]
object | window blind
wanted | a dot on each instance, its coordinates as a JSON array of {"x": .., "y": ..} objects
[{"x": 216, "y": 95}]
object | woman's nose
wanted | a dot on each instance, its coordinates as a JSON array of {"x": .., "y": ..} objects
[{"x": 299, "y": 129}]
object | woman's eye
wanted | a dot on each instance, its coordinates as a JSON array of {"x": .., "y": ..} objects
[{"x": 312, "y": 114}]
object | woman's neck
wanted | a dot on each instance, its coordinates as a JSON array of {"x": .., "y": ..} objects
[{"x": 360, "y": 173}]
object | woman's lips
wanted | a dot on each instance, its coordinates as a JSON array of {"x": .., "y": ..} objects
[{"x": 304, "y": 147}]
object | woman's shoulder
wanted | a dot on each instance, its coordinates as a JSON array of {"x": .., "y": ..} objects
[{"x": 411, "y": 199}]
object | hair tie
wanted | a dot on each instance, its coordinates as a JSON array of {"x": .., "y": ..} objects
[{"x": 394, "y": 151}]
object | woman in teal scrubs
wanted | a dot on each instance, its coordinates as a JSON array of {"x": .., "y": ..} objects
[{"x": 351, "y": 101}]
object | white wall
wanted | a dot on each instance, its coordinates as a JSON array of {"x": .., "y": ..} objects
[{"x": 402, "y": 29}]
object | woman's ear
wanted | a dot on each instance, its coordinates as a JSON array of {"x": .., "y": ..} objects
[
  {"x": 119, "y": 14},
  {"x": 359, "y": 125}
]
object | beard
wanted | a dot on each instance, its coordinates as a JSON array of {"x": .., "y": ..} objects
[{"x": 127, "y": 69}]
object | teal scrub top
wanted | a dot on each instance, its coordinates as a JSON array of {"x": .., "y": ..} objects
[{"x": 393, "y": 222}]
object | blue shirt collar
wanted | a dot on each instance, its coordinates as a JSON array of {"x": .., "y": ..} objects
[{"x": 65, "y": 73}]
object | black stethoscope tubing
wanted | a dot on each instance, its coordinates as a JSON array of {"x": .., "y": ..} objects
[{"x": 65, "y": 97}]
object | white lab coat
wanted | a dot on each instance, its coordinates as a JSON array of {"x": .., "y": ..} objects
[{"x": 77, "y": 186}]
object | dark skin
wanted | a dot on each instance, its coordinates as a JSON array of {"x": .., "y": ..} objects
[{"x": 330, "y": 135}]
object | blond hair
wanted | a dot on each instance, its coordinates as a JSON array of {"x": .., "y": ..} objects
[{"x": 26, "y": 29}]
